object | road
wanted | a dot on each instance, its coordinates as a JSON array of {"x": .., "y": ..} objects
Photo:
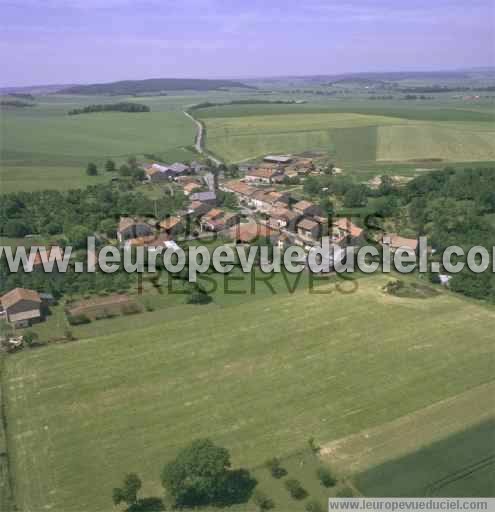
[{"x": 199, "y": 140}]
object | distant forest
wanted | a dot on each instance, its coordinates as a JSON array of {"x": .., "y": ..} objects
[
  {"x": 15, "y": 103},
  {"x": 157, "y": 85},
  {"x": 110, "y": 107}
]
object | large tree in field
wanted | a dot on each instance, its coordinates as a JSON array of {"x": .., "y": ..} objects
[
  {"x": 129, "y": 490},
  {"x": 198, "y": 474}
]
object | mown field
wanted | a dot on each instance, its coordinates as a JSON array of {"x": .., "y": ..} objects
[
  {"x": 259, "y": 378},
  {"x": 352, "y": 137}
]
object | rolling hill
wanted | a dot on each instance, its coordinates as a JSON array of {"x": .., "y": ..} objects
[{"x": 153, "y": 85}]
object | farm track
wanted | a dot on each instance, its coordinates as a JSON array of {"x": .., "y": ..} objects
[
  {"x": 459, "y": 475},
  {"x": 199, "y": 141}
]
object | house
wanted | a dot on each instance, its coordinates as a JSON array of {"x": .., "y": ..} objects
[
  {"x": 265, "y": 200},
  {"x": 242, "y": 191},
  {"x": 265, "y": 174},
  {"x": 197, "y": 209},
  {"x": 394, "y": 242},
  {"x": 132, "y": 227},
  {"x": 246, "y": 233},
  {"x": 198, "y": 167},
  {"x": 171, "y": 225},
  {"x": 278, "y": 159},
  {"x": 344, "y": 230},
  {"x": 309, "y": 229},
  {"x": 205, "y": 197},
  {"x": 190, "y": 187},
  {"x": 217, "y": 220},
  {"x": 22, "y": 307},
  {"x": 306, "y": 208},
  {"x": 283, "y": 218}
]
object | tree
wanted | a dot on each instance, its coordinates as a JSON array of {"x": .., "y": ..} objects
[
  {"x": 325, "y": 477},
  {"x": 91, "y": 169},
  {"x": 197, "y": 475},
  {"x": 356, "y": 196},
  {"x": 110, "y": 166},
  {"x": 262, "y": 501},
  {"x": 311, "y": 186},
  {"x": 295, "y": 489},
  {"x": 125, "y": 170},
  {"x": 129, "y": 490},
  {"x": 15, "y": 229}
]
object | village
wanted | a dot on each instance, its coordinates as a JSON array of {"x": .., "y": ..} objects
[{"x": 260, "y": 208}]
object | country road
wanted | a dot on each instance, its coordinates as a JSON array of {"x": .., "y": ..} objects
[{"x": 199, "y": 140}]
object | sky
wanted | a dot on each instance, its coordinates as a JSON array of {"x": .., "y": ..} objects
[{"x": 87, "y": 41}]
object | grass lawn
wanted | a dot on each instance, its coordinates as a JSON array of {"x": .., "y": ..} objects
[{"x": 259, "y": 378}]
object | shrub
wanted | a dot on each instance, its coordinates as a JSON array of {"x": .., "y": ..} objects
[
  {"x": 199, "y": 297},
  {"x": 149, "y": 307},
  {"x": 29, "y": 337},
  {"x": 262, "y": 501},
  {"x": 313, "y": 446},
  {"x": 275, "y": 468},
  {"x": 78, "y": 319},
  {"x": 295, "y": 489},
  {"x": 131, "y": 309},
  {"x": 326, "y": 478},
  {"x": 313, "y": 506}
]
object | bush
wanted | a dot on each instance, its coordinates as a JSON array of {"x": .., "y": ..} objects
[
  {"x": 326, "y": 478},
  {"x": 262, "y": 501},
  {"x": 78, "y": 319},
  {"x": 131, "y": 309},
  {"x": 29, "y": 337},
  {"x": 149, "y": 307},
  {"x": 199, "y": 297},
  {"x": 345, "y": 492},
  {"x": 275, "y": 468},
  {"x": 313, "y": 506},
  {"x": 295, "y": 489}
]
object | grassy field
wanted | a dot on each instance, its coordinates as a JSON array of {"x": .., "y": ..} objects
[
  {"x": 351, "y": 137},
  {"x": 417, "y": 454},
  {"x": 260, "y": 378},
  {"x": 42, "y": 147},
  {"x": 6, "y": 497}
]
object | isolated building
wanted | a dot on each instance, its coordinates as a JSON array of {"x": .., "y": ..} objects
[{"x": 21, "y": 307}]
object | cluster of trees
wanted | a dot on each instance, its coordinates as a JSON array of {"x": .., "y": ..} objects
[
  {"x": 73, "y": 215},
  {"x": 200, "y": 475},
  {"x": 450, "y": 207},
  {"x": 111, "y": 107},
  {"x": 130, "y": 169}
]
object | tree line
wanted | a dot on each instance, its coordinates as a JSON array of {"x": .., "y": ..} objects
[{"x": 110, "y": 107}]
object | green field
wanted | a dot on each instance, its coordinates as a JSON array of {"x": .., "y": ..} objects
[
  {"x": 423, "y": 453},
  {"x": 42, "y": 147},
  {"x": 351, "y": 137},
  {"x": 259, "y": 378}
]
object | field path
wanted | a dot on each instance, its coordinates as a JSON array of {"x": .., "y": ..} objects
[{"x": 198, "y": 144}]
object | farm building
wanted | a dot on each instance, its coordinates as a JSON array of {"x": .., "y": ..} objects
[
  {"x": 205, "y": 197},
  {"x": 218, "y": 220},
  {"x": 395, "y": 242},
  {"x": 278, "y": 159},
  {"x": 157, "y": 172},
  {"x": 242, "y": 191},
  {"x": 266, "y": 174},
  {"x": 130, "y": 227},
  {"x": 21, "y": 307}
]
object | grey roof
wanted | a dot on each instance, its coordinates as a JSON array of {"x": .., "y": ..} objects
[
  {"x": 203, "y": 196},
  {"x": 178, "y": 167}
]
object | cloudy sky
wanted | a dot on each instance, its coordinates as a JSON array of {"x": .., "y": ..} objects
[{"x": 83, "y": 41}]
